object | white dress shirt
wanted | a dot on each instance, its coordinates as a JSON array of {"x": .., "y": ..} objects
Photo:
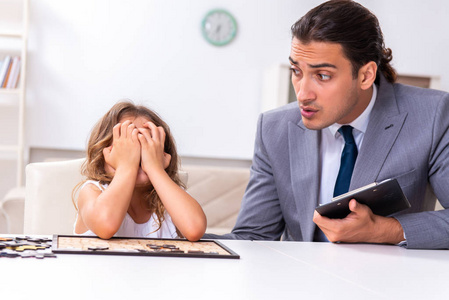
[{"x": 332, "y": 144}]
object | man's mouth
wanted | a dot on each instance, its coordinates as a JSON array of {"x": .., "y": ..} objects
[{"x": 308, "y": 112}]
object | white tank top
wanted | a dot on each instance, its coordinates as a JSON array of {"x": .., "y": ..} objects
[{"x": 129, "y": 228}]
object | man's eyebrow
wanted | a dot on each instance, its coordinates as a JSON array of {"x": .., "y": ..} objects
[
  {"x": 292, "y": 61},
  {"x": 323, "y": 65}
]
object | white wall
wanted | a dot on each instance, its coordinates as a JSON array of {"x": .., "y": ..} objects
[
  {"x": 84, "y": 55},
  {"x": 417, "y": 32}
]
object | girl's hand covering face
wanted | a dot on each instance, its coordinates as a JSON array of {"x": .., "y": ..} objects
[
  {"x": 125, "y": 148},
  {"x": 152, "y": 140}
]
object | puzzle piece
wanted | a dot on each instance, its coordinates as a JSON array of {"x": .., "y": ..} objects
[
  {"x": 9, "y": 254},
  {"x": 98, "y": 248},
  {"x": 38, "y": 240},
  {"x": 28, "y": 247},
  {"x": 22, "y": 238},
  {"x": 14, "y": 244},
  {"x": 45, "y": 255}
]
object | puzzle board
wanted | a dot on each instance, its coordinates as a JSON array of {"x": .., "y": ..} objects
[{"x": 72, "y": 244}]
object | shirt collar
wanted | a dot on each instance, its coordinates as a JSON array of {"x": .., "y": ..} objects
[{"x": 361, "y": 123}]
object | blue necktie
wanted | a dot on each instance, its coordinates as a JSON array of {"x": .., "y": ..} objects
[{"x": 348, "y": 157}]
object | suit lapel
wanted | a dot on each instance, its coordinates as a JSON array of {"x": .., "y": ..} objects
[
  {"x": 304, "y": 169},
  {"x": 384, "y": 127}
]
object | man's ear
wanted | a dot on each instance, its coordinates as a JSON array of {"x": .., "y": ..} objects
[{"x": 367, "y": 75}]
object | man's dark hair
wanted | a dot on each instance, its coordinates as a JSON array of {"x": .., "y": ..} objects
[{"x": 352, "y": 26}]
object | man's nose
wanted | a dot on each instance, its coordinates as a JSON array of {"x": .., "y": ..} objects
[{"x": 304, "y": 90}]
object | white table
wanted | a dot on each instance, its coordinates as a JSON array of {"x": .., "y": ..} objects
[
  {"x": 387, "y": 271},
  {"x": 266, "y": 270}
]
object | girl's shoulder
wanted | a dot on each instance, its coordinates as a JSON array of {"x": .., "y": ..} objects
[{"x": 100, "y": 186}]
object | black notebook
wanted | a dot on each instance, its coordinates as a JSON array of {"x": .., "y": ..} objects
[{"x": 384, "y": 198}]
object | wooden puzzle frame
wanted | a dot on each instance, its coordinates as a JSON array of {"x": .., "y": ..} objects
[{"x": 75, "y": 244}]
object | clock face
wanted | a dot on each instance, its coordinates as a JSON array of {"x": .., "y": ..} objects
[{"x": 219, "y": 27}]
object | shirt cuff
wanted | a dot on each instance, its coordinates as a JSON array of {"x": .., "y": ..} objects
[{"x": 403, "y": 243}]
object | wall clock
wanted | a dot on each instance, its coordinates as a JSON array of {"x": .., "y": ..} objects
[{"x": 219, "y": 27}]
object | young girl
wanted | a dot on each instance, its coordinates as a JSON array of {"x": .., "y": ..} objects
[{"x": 132, "y": 187}]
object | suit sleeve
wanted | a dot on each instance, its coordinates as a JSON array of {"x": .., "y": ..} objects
[
  {"x": 430, "y": 230},
  {"x": 260, "y": 216}
]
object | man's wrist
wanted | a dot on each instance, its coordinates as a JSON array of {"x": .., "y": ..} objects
[{"x": 389, "y": 231}]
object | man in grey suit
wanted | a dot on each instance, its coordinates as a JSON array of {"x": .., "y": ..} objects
[{"x": 341, "y": 74}]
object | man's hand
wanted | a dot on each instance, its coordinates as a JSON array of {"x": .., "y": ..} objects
[
  {"x": 152, "y": 139},
  {"x": 360, "y": 226}
]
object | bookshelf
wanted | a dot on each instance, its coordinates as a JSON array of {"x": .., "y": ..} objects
[{"x": 17, "y": 37}]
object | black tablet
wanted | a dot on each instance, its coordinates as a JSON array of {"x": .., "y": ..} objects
[{"x": 384, "y": 198}]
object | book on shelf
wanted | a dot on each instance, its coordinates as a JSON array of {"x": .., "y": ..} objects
[
  {"x": 4, "y": 70},
  {"x": 10, "y": 72},
  {"x": 5, "y": 82},
  {"x": 14, "y": 74}
]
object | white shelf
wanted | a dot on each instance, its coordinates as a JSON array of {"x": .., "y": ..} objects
[
  {"x": 4, "y": 91},
  {"x": 9, "y": 148},
  {"x": 11, "y": 34}
]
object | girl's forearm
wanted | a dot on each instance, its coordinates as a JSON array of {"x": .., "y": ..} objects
[
  {"x": 185, "y": 211},
  {"x": 109, "y": 209}
]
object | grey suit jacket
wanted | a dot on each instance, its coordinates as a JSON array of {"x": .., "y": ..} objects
[{"x": 407, "y": 138}]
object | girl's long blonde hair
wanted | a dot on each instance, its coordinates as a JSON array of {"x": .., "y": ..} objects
[{"x": 101, "y": 137}]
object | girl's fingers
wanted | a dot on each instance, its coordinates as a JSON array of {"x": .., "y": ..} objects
[
  {"x": 146, "y": 133},
  {"x": 124, "y": 129},
  {"x": 129, "y": 130},
  {"x": 116, "y": 132},
  {"x": 154, "y": 131},
  {"x": 162, "y": 134},
  {"x": 143, "y": 141},
  {"x": 157, "y": 132},
  {"x": 134, "y": 135}
]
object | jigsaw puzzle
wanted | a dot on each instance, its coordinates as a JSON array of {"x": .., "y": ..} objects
[{"x": 140, "y": 246}]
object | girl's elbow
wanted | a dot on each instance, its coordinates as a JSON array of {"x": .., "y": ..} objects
[
  {"x": 194, "y": 236},
  {"x": 105, "y": 235},
  {"x": 106, "y": 230},
  {"x": 195, "y": 232}
]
